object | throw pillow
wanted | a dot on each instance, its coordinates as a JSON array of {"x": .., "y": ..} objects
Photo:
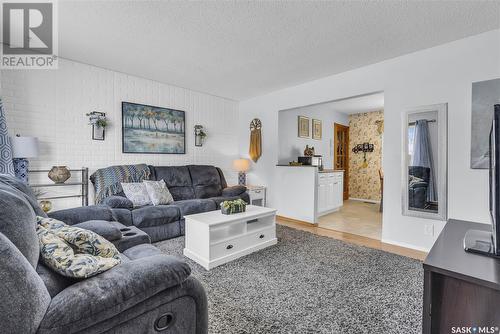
[
  {"x": 158, "y": 192},
  {"x": 137, "y": 193},
  {"x": 74, "y": 252}
]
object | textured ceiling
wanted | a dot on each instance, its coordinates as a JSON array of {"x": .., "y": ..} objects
[
  {"x": 352, "y": 105},
  {"x": 240, "y": 49}
]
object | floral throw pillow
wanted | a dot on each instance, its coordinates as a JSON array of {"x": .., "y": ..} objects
[
  {"x": 74, "y": 252},
  {"x": 158, "y": 192},
  {"x": 137, "y": 193}
]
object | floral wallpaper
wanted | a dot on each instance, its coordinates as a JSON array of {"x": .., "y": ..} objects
[{"x": 364, "y": 180}]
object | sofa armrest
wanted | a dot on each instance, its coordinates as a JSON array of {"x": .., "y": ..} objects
[
  {"x": 118, "y": 202},
  {"x": 106, "y": 229},
  {"x": 233, "y": 191},
  {"x": 106, "y": 295},
  {"x": 82, "y": 214},
  {"x": 419, "y": 185}
]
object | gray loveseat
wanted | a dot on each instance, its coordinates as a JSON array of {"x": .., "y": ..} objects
[
  {"x": 418, "y": 190},
  {"x": 147, "y": 293},
  {"x": 195, "y": 189}
]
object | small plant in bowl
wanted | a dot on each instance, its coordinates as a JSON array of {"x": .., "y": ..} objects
[{"x": 232, "y": 207}]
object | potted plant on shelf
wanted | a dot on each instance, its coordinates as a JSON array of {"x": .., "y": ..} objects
[
  {"x": 199, "y": 134},
  {"x": 99, "y": 123}
]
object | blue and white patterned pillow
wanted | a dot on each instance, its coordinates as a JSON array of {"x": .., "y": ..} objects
[
  {"x": 72, "y": 251},
  {"x": 137, "y": 193},
  {"x": 158, "y": 192}
]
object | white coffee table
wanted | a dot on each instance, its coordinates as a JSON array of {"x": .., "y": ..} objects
[{"x": 213, "y": 238}]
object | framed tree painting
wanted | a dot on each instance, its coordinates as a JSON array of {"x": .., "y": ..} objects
[
  {"x": 149, "y": 129},
  {"x": 316, "y": 129},
  {"x": 303, "y": 127}
]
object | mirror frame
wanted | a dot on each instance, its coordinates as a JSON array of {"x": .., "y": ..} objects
[{"x": 442, "y": 173}]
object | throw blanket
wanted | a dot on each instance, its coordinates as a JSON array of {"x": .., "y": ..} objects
[{"x": 107, "y": 181}]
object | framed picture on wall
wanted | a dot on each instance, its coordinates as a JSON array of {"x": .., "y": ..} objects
[
  {"x": 303, "y": 127},
  {"x": 316, "y": 129},
  {"x": 149, "y": 129}
]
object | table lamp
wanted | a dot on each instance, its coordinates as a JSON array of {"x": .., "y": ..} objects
[
  {"x": 23, "y": 148},
  {"x": 241, "y": 166}
]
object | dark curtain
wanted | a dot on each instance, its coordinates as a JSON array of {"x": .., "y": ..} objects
[{"x": 422, "y": 156}]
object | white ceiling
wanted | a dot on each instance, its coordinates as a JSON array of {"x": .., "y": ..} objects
[
  {"x": 240, "y": 49},
  {"x": 352, "y": 105}
]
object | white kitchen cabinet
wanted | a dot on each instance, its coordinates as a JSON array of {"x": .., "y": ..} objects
[
  {"x": 330, "y": 192},
  {"x": 322, "y": 197},
  {"x": 303, "y": 193}
]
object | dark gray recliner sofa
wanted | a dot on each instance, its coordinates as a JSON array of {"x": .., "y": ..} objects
[
  {"x": 148, "y": 292},
  {"x": 417, "y": 191},
  {"x": 195, "y": 189}
]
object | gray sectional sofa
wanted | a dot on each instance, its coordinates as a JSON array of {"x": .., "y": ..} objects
[
  {"x": 195, "y": 189},
  {"x": 148, "y": 292}
]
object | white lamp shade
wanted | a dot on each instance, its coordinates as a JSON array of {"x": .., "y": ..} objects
[
  {"x": 241, "y": 165},
  {"x": 24, "y": 147}
]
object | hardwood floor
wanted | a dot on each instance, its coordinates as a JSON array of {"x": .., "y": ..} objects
[
  {"x": 355, "y": 217},
  {"x": 352, "y": 238}
]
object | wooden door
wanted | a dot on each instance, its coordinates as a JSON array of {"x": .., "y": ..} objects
[{"x": 341, "y": 154}]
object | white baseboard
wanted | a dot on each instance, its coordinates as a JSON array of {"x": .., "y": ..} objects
[
  {"x": 364, "y": 200},
  {"x": 405, "y": 245}
]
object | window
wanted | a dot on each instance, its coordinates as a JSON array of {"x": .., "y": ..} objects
[{"x": 411, "y": 139}]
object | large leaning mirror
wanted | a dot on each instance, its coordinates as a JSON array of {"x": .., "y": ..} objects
[{"x": 425, "y": 162}]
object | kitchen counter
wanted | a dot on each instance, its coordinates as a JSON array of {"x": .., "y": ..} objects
[
  {"x": 331, "y": 170},
  {"x": 326, "y": 170},
  {"x": 309, "y": 166},
  {"x": 306, "y": 193}
]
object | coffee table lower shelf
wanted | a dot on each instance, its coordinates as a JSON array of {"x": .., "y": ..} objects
[{"x": 207, "y": 264}]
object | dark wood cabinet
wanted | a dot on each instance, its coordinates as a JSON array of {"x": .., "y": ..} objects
[{"x": 461, "y": 290}]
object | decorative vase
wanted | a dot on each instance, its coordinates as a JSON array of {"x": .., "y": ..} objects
[
  {"x": 46, "y": 205},
  {"x": 59, "y": 174}
]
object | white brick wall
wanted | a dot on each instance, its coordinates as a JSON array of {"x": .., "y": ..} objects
[{"x": 51, "y": 105}]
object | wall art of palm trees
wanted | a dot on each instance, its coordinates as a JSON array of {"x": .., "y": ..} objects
[{"x": 148, "y": 129}]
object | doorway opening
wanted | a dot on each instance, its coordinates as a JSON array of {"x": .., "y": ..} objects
[
  {"x": 357, "y": 150},
  {"x": 343, "y": 140}
]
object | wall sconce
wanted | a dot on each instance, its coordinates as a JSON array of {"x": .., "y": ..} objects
[
  {"x": 365, "y": 147},
  {"x": 199, "y": 135},
  {"x": 99, "y": 122}
]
